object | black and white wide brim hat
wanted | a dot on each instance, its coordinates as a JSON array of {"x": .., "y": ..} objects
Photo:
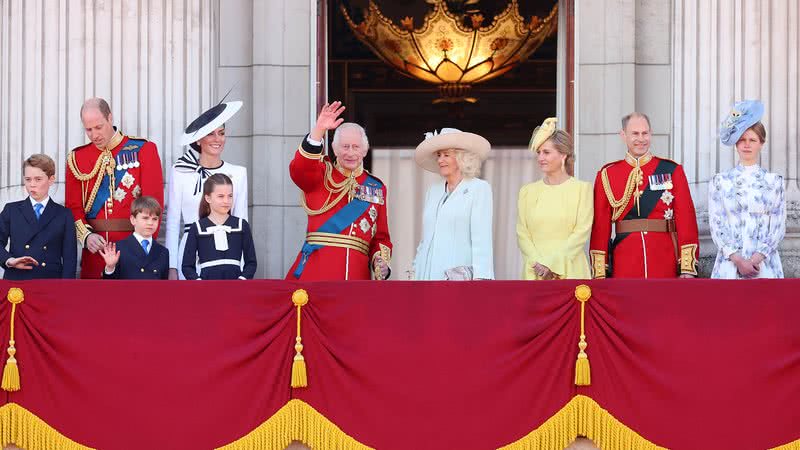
[{"x": 209, "y": 121}]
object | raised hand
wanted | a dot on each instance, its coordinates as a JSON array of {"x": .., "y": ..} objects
[
  {"x": 23, "y": 262},
  {"x": 110, "y": 255},
  {"x": 328, "y": 119}
]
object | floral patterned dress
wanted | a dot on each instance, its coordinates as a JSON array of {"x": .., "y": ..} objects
[{"x": 747, "y": 214}]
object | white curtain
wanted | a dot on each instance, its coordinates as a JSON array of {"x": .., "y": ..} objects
[{"x": 507, "y": 170}]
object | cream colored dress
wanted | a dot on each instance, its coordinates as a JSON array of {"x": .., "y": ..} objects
[{"x": 553, "y": 227}]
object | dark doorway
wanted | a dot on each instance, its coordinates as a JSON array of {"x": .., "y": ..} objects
[{"x": 397, "y": 110}]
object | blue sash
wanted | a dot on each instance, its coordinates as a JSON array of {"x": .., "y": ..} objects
[
  {"x": 130, "y": 152},
  {"x": 337, "y": 223}
]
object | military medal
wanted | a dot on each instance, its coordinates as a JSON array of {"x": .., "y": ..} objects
[
  {"x": 660, "y": 181},
  {"x": 135, "y": 159}
]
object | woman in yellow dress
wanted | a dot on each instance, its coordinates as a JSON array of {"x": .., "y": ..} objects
[{"x": 555, "y": 213}]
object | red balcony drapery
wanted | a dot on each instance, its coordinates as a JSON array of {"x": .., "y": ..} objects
[{"x": 681, "y": 364}]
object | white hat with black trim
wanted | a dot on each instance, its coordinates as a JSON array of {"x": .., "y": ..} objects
[{"x": 209, "y": 121}]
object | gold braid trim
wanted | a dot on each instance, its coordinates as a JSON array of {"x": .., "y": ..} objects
[
  {"x": 582, "y": 416},
  {"x": 598, "y": 263},
  {"x": 619, "y": 206},
  {"x": 296, "y": 421},
  {"x": 23, "y": 428},
  {"x": 105, "y": 163},
  {"x": 342, "y": 188},
  {"x": 688, "y": 259},
  {"x": 82, "y": 231}
]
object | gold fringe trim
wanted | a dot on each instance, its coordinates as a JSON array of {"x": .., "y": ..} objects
[
  {"x": 24, "y": 429},
  {"x": 299, "y": 375},
  {"x": 790, "y": 446},
  {"x": 582, "y": 416},
  {"x": 296, "y": 421}
]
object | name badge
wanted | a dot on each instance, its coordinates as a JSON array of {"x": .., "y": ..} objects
[{"x": 660, "y": 181}]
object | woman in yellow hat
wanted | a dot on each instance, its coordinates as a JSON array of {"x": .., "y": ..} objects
[{"x": 555, "y": 213}]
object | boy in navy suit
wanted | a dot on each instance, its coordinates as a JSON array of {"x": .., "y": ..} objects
[
  {"x": 42, "y": 232},
  {"x": 139, "y": 256}
]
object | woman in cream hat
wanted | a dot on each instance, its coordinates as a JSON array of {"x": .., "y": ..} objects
[
  {"x": 205, "y": 138},
  {"x": 457, "y": 219},
  {"x": 555, "y": 213},
  {"x": 746, "y": 204}
]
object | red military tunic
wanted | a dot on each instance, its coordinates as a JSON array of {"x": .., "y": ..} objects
[
  {"x": 643, "y": 254},
  {"x": 326, "y": 190},
  {"x": 97, "y": 206}
]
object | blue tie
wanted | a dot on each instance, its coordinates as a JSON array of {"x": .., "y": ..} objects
[
  {"x": 37, "y": 208},
  {"x": 145, "y": 244}
]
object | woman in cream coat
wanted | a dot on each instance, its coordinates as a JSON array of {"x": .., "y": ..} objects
[{"x": 457, "y": 219}]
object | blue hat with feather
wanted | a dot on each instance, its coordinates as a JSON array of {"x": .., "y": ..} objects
[{"x": 744, "y": 115}]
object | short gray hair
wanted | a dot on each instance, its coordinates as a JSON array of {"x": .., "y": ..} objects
[
  {"x": 98, "y": 104},
  {"x": 468, "y": 163},
  {"x": 351, "y": 126},
  {"x": 635, "y": 114}
]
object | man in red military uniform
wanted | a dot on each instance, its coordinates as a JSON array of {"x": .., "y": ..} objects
[
  {"x": 648, "y": 202},
  {"x": 348, "y": 234},
  {"x": 103, "y": 178}
]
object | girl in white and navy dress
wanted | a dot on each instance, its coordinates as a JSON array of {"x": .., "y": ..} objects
[
  {"x": 205, "y": 137},
  {"x": 217, "y": 244}
]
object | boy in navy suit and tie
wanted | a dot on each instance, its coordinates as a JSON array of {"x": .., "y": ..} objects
[
  {"x": 42, "y": 232},
  {"x": 139, "y": 256}
]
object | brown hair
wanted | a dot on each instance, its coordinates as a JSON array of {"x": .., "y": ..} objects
[
  {"x": 760, "y": 131},
  {"x": 562, "y": 141},
  {"x": 41, "y": 161},
  {"x": 146, "y": 204},
  {"x": 218, "y": 179}
]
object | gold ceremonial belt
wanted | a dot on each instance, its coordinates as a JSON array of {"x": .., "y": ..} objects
[{"x": 338, "y": 240}]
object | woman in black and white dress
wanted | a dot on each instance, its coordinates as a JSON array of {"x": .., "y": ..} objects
[{"x": 206, "y": 139}]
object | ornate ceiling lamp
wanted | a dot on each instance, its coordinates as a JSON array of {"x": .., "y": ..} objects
[{"x": 454, "y": 51}]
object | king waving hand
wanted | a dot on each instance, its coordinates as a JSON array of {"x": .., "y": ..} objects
[{"x": 348, "y": 233}]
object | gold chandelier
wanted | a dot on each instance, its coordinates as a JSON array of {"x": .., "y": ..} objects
[{"x": 452, "y": 51}]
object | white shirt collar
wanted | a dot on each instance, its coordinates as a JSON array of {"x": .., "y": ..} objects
[
  {"x": 43, "y": 202},
  {"x": 140, "y": 238}
]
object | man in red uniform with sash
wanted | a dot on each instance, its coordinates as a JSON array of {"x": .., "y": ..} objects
[
  {"x": 348, "y": 233},
  {"x": 647, "y": 200},
  {"x": 103, "y": 178}
]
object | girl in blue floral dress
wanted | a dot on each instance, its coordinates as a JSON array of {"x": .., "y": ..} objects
[{"x": 746, "y": 204}]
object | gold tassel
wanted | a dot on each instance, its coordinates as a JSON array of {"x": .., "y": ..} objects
[
  {"x": 299, "y": 375},
  {"x": 11, "y": 382},
  {"x": 583, "y": 372}
]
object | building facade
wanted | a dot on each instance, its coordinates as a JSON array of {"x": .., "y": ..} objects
[{"x": 684, "y": 62}]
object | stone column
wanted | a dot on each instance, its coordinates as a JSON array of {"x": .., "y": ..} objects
[
  {"x": 266, "y": 53},
  {"x": 724, "y": 51},
  {"x": 153, "y": 62},
  {"x": 623, "y": 64}
]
